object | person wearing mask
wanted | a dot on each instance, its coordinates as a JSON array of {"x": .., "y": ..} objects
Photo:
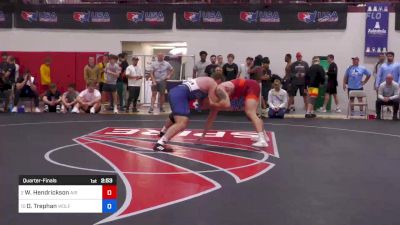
[
  {"x": 121, "y": 81},
  {"x": 315, "y": 77},
  {"x": 277, "y": 101},
  {"x": 388, "y": 94},
  {"x": 245, "y": 67},
  {"x": 230, "y": 68},
  {"x": 210, "y": 68},
  {"x": 91, "y": 72},
  {"x": 353, "y": 81},
  {"x": 200, "y": 66},
  {"x": 331, "y": 89},
  {"x": 298, "y": 72},
  {"x": 135, "y": 76},
  {"x": 390, "y": 67},
  {"x": 160, "y": 73},
  {"x": 112, "y": 72},
  {"x": 25, "y": 87}
]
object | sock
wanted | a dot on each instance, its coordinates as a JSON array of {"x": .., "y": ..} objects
[
  {"x": 261, "y": 136},
  {"x": 164, "y": 129},
  {"x": 162, "y": 140}
]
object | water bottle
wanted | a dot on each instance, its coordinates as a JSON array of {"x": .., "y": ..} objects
[{"x": 21, "y": 109}]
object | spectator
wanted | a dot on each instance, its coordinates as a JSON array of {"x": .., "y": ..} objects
[
  {"x": 220, "y": 61},
  {"x": 122, "y": 81},
  {"x": 89, "y": 100},
  {"x": 353, "y": 80},
  {"x": 112, "y": 72},
  {"x": 91, "y": 72},
  {"x": 69, "y": 98},
  {"x": 277, "y": 101},
  {"x": 45, "y": 73},
  {"x": 52, "y": 99},
  {"x": 381, "y": 61},
  {"x": 4, "y": 57},
  {"x": 265, "y": 85},
  {"x": 17, "y": 69},
  {"x": 388, "y": 94},
  {"x": 390, "y": 67},
  {"x": 230, "y": 68},
  {"x": 314, "y": 78},
  {"x": 256, "y": 70},
  {"x": 331, "y": 88},
  {"x": 135, "y": 76},
  {"x": 101, "y": 67},
  {"x": 286, "y": 78},
  {"x": 298, "y": 72},
  {"x": 7, "y": 79},
  {"x": 244, "y": 68},
  {"x": 26, "y": 88},
  {"x": 210, "y": 68},
  {"x": 160, "y": 73},
  {"x": 200, "y": 67}
]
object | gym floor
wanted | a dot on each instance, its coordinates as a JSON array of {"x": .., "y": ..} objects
[{"x": 314, "y": 172}]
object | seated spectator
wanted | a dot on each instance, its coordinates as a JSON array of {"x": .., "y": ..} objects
[
  {"x": 135, "y": 76},
  {"x": 26, "y": 88},
  {"x": 388, "y": 94},
  {"x": 69, "y": 98},
  {"x": 277, "y": 100},
  {"x": 52, "y": 99},
  {"x": 88, "y": 100}
]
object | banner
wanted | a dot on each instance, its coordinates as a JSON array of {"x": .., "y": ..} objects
[
  {"x": 94, "y": 17},
  {"x": 5, "y": 16},
  {"x": 257, "y": 17},
  {"x": 376, "y": 28},
  {"x": 397, "y": 26}
]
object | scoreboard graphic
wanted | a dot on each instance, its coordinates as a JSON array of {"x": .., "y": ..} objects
[{"x": 67, "y": 194}]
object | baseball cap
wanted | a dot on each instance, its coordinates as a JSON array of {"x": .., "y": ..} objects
[
  {"x": 355, "y": 58},
  {"x": 298, "y": 54},
  {"x": 135, "y": 57}
]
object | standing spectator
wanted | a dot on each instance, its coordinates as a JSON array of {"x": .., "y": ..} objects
[
  {"x": 45, "y": 74},
  {"x": 91, "y": 72},
  {"x": 277, "y": 101},
  {"x": 7, "y": 80},
  {"x": 200, "y": 66},
  {"x": 26, "y": 88},
  {"x": 135, "y": 76},
  {"x": 122, "y": 81},
  {"x": 381, "y": 61},
  {"x": 160, "y": 73},
  {"x": 210, "y": 68},
  {"x": 331, "y": 89},
  {"x": 4, "y": 57},
  {"x": 314, "y": 78},
  {"x": 220, "y": 61},
  {"x": 390, "y": 67},
  {"x": 353, "y": 80},
  {"x": 52, "y": 99},
  {"x": 245, "y": 67},
  {"x": 388, "y": 94},
  {"x": 256, "y": 70},
  {"x": 69, "y": 98},
  {"x": 230, "y": 68},
  {"x": 17, "y": 69},
  {"x": 298, "y": 72},
  {"x": 88, "y": 100},
  {"x": 286, "y": 78},
  {"x": 112, "y": 72},
  {"x": 101, "y": 67}
]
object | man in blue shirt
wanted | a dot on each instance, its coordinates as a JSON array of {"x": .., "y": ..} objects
[
  {"x": 353, "y": 80},
  {"x": 390, "y": 67}
]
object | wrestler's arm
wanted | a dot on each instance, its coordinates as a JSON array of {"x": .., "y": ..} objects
[
  {"x": 210, "y": 120},
  {"x": 223, "y": 101}
]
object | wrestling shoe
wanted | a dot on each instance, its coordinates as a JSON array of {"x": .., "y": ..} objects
[
  {"x": 161, "y": 148},
  {"x": 260, "y": 144}
]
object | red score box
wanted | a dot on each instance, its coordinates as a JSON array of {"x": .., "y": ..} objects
[{"x": 109, "y": 191}]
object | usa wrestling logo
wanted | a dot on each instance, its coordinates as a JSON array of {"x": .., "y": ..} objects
[
  {"x": 151, "y": 17},
  {"x": 91, "y": 16},
  {"x": 46, "y": 17},
  {"x": 29, "y": 16},
  {"x": 317, "y": 17},
  {"x": 128, "y": 151},
  {"x": 203, "y": 16},
  {"x": 260, "y": 16}
]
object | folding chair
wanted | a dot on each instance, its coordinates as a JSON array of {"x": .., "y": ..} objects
[{"x": 364, "y": 102}]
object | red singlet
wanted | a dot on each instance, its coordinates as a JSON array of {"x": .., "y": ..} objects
[{"x": 249, "y": 89}]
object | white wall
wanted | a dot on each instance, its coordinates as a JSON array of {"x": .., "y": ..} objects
[{"x": 275, "y": 44}]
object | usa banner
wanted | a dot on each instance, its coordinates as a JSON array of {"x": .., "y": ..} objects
[
  {"x": 376, "y": 29},
  {"x": 397, "y": 26},
  {"x": 5, "y": 15}
]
